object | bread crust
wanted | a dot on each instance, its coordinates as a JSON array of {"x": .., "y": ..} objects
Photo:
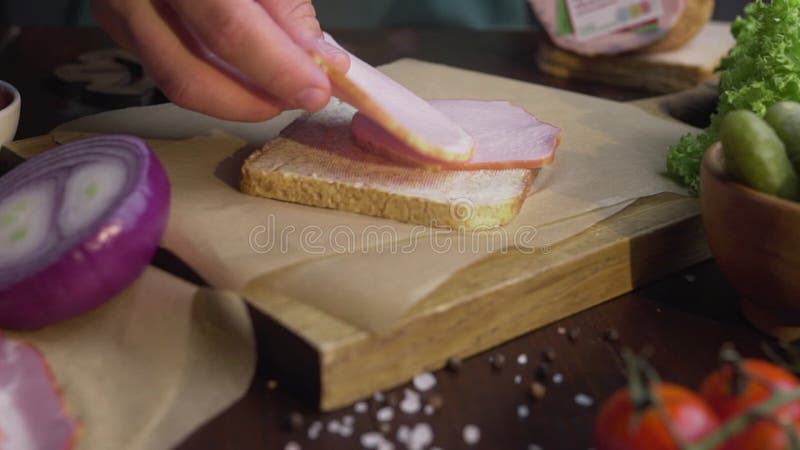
[{"x": 696, "y": 15}]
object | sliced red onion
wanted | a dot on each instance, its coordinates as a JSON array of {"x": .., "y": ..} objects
[
  {"x": 32, "y": 412},
  {"x": 78, "y": 224}
]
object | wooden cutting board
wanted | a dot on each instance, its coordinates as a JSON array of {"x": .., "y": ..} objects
[{"x": 330, "y": 363}]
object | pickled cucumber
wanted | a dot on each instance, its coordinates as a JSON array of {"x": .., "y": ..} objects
[
  {"x": 784, "y": 118},
  {"x": 756, "y": 156}
]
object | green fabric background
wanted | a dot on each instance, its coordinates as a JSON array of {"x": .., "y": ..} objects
[
  {"x": 478, "y": 14},
  {"x": 334, "y": 14}
]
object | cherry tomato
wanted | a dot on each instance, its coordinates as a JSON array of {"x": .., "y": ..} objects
[
  {"x": 620, "y": 426},
  {"x": 718, "y": 388},
  {"x": 762, "y": 435}
]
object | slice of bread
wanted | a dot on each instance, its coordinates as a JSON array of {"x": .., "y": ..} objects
[
  {"x": 663, "y": 72},
  {"x": 315, "y": 162},
  {"x": 695, "y": 17}
]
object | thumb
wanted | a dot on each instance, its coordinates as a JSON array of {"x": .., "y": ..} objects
[{"x": 298, "y": 19}]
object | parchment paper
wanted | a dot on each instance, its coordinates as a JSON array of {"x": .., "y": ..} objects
[
  {"x": 152, "y": 365},
  {"x": 611, "y": 154}
]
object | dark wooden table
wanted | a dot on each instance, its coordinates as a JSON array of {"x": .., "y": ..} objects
[{"x": 681, "y": 320}]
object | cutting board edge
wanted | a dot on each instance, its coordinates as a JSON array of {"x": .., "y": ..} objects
[{"x": 344, "y": 379}]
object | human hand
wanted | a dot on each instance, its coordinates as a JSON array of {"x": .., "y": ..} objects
[{"x": 233, "y": 59}]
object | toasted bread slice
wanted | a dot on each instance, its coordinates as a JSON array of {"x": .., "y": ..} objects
[{"x": 315, "y": 162}]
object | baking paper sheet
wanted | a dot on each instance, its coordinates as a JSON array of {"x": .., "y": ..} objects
[
  {"x": 611, "y": 154},
  {"x": 152, "y": 365}
]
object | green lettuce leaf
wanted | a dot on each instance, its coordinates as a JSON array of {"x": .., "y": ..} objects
[{"x": 761, "y": 70}]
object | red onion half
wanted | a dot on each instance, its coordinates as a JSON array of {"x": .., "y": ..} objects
[{"x": 78, "y": 224}]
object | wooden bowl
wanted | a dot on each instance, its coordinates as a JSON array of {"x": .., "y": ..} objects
[
  {"x": 9, "y": 112},
  {"x": 755, "y": 239}
]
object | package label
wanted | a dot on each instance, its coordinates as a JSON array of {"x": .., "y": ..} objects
[{"x": 593, "y": 18}]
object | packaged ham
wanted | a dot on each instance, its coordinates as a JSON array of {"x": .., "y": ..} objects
[{"x": 607, "y": 27}]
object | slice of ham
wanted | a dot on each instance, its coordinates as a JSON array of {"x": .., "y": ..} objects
[
  {"x": 410, "y": 119},
  {"x": 619, "y": 42},
  {"x": 506, "y": 137},
  {"x": 32, "y": 413}
]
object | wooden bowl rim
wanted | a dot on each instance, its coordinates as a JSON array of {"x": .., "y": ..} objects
[{"x": 714, "y": 163}]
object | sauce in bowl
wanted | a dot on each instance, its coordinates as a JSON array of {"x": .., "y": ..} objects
[
  {"x": 9, "y": 112},
  {"x": 6, "y": 97}
]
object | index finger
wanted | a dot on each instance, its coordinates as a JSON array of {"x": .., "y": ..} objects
[{"x": 243, "y": 34}]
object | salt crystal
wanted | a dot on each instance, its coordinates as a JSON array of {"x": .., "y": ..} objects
[
  {"x": 385, "y": 445},
  {"x": 371, "y": 439},
  {"x": 411, "y": 403},
  {"x": 403, "y": 433},
  {"x": 471, "y": 434},
  {"x": 534, "y": 447},
  {"x": 522, "y": 359},
  {"x": 334, "y": 426},
  {"x": 428, "y": 410},
  {"x": 378, "y": 397},
  {"x": 523, "y": 411},
  {"x": 584, "y": 400},
  {"x": 348, "y": 420},
  {"x": 420, "y": 437},
  {"x": 424, "y": 381},
  {"x": 561, "y": 330},
  {"x": 346, "y": 431},
  {"x": 292, "y": 445},
  {"x": 360, "y": 407},
  {"x": 314, "y": 430},
  {"x": 558, "y": 378},
  {"x": 385, "y": 414},
  {"x": 517, "y": 379}
]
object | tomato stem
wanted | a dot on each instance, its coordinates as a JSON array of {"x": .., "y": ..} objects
[
  {"x": 642, "y": 376},
  {"x": 739, "y": 423},
  {"x": 729, "y": 356},
  {"x": 641, "y": 396}
]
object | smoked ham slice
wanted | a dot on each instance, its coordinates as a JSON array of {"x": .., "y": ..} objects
[
  {"x": 506, "y": 136},
  {"x": 32, "y": 412},
  {"x": 410, "y": 119},
  {"x": 618, "y": 42}
]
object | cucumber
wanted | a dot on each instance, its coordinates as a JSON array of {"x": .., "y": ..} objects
[
  {"x": 756, "y": 156},
  {"x": 784, "y": 118}
]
